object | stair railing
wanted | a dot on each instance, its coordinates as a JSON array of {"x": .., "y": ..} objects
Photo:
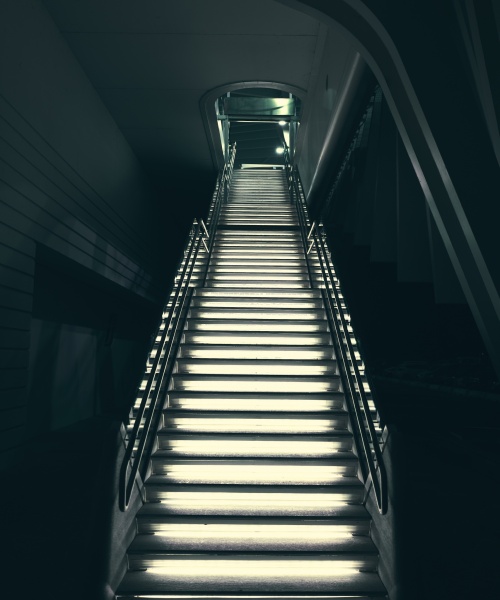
[
  {"x": 302, "y": 217},
  {"x": 221, "y": 196},
  {"x": 367, "y": 439},
  {"x": 200, "y": 238}
]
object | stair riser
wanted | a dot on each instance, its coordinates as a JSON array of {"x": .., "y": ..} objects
[{"x": 254, "y": 384}]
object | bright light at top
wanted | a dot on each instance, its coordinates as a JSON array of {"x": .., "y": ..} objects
[
  {"x": 282, "y": 123},
  {"x": 279, "y": 150}
]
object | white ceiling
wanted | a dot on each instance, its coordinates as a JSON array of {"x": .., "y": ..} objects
[{"x": 152, "y": 60}]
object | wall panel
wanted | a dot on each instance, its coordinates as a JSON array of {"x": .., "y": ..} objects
[{"x": 71, "y": 189}]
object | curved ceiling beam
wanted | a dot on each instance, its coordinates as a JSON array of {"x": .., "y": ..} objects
[
  {"x": 407, "y": 56},
  {"x": 207, "y": 108}
]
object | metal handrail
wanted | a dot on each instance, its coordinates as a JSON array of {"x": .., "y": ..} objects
[
  {"x": 366, "y": 438},
  {"x": 160, "y": 375},
  {"x": 356, "y": 384},
  {"x": 300, "y": 215},
  {"x": 133, "y": 460},
  {"x": 220, "y": 197}
]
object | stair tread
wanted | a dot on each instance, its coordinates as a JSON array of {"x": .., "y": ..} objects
[
  {"x": 258, "y": 352},
  {"x": 160, "y": 510},
  {"x": 207, "y": 539},
  {"x": 238, "y": 402},
  {"x": 256, "y": 361},
  {"x": 259, "y": 292},
  {"x": 215, "y": 312},
  {"x": 265, "y": 436},
  {"x": 252, "y": 377},
  {"x": 360, "y": 520},
  {"x": 295, "y": 415},
  {"x": 253, "y": 573},
  {"x": 346, "y": 457},
  {"x": 347, "y": 482},
  {"x": 265, "y": 324}
]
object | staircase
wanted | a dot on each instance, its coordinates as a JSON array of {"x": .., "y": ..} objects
[{"x": 254, "y": 488}]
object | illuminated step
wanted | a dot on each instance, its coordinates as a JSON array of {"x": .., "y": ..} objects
[
  {"x": 256, "y": 352},
  {"x": 253, "y": 352},
  {"x": 243, "y": 235},
  {"x": 237, "y": 402},
  {"x": 255, "y": 278},
  {"x": 248, "y": 325},
  {"x": 226, "y": 235},
  {"x": 172, "y": 443},
  {"x": 248, "y": 301},
  {"x": 261, "y": 219},
  {"x": 254, "y": 471},
  {"x": 243, "y": 249},
  {"x": 260, "y": 292},
  {"x": 255, "y": 423},
  {"x": 340, "y": 498},
  {"x": 243, "y": 402},
  {"x": 255, "y": 222},
  {"x": 279, "y": 573},
  {"x": 259, "y": 211},
  {"x": 255, "y": 383},
  {"x": 249, "y": 190},
  {"x": 255, "y": 367},
  {"x": 250, "y": 262},
  {"x": 250, "y": 283},
  {"x": 253, "y": 250},
  {"x": 291, "y": 314},
  {"x": 273, "y": 236},
  {"x": 258, "y": 273},
  {"x": 279, "y": 338},
  {"x": 260, "y": 262},
  {"x": 226, "y": 534},
  {"x": 236, "y": 283}
]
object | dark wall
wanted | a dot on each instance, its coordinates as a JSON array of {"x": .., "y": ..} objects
[
  {"x": 408, "y": 309},
  {"x": 73, "y": 199}
]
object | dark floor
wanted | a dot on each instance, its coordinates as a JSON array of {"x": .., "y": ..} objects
[{"x": 51, "y": 512}]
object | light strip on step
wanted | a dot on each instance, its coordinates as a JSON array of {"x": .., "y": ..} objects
[
  {"x": 256, "y": 532},
  {"x": 207, "y": 352},
  {"x": 261, "y": 303},
  {"x": 277, "y": 499},
  {"x": 248, "y": 325},
  {"x": 259, "y": 369},
  {"x": 254, "y": 385},
  {"x": 241, "y": 338},
  {"x": 284, "y": 405},
  {"x": 244, "y": 313},
  {"x": 258, "y": 474},
  {"x": 270, "y": 425},
  {"x": 253, "y": 447},
  {"x": 254, "y": 568}
]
